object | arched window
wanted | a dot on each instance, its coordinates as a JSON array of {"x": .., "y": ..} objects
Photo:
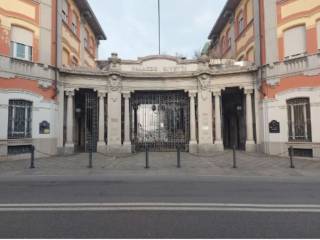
[
  {"x": 294, "y": 41},
  {"x": 299, "y": 119},
  {"x": 92, "y": 45},
  {"x": 19, "y": 119},
  {"x": 240, "y": 22},
  {"x": 222, "y": 44},
  {"x": 86, "y": 38},
  {"x": 74, "y": 23},
  {"x": 228, "y": 39}
]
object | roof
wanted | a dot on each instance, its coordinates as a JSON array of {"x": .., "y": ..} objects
[
  {"x": 91, "y": 18},
  {"x": 223, "y": 18}
]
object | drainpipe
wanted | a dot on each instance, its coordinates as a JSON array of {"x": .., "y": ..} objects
[{"x": 57, "y": 48}]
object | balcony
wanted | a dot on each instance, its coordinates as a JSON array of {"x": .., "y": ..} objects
[{"x": 12, "y": 67}]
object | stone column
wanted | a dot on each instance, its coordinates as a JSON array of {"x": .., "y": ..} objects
[
  {"x": 250, "y": 145},
  {"x": 193, "y": 139},
  {"x": 101, "y": 142},
  {"x": 69, "y": 146},
  {"x": 127, "y": 141},
  {"x": 217, "y": 113}
]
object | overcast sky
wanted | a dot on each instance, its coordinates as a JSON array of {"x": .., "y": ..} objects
[{"x": 131, "y": 26}]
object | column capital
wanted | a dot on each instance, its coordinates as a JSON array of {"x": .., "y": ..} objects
[
  {"x": 216, "y": 92},
  {"x": 192, "y": 93},
  {"x": 248, "y": 90},
  {"x": 102, "y": 93},
  {"x": 126, "y": 95},
  {"x": 69, "y": 91}
]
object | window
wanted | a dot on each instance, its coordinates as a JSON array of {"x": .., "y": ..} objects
[
  {"x": 299, "y": 120},
  {"x": 19, "y": 124},
  {"x": 240, "y": 23},
  {"x": 92, "y": 45},
  {"x": 222, "y": 44},
  {"x": 21, "y": 43},
  {"x": 74, "y": 24},
  {"x": 86, "y": 39},
  {"x": 228, "y": 39},
  {"x": 65, "y": 11},
  {"x": 294, "y": 41},
  {"x": 318, "y": 33}
]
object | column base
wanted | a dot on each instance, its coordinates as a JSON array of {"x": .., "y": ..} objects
[
  {"x": 102, "y": 147},
  {"x": 193, "y": 147},
  {"x": 69, "y": 148},
  {"x": 206, "y": 148},
  {"x": 219, "y": 146},
  {"x": 251, "y": 146},
  {"x": 116, "y": 149}
]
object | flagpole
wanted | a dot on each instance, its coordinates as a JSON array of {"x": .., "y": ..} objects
[{"x": 159, "y": 27}]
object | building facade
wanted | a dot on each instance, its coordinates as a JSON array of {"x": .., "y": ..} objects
[
  {"x": 282, "y": 38},
  {"x": 255, "y": 90},
  {"x": 36, "y": 39}
]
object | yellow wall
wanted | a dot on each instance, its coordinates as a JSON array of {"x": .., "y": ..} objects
[
  {"x": 19, "y": 7},
  {"x": 298, "y": 6}
]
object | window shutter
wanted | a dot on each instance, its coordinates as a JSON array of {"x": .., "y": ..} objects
[
  {"x": 21, "y": 35},
  {"x": 295, "y": 41}
]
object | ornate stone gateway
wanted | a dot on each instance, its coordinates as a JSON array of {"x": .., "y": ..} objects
[
  {"x": 160, "y": 120},
  {"x": 162, "y": 102}
]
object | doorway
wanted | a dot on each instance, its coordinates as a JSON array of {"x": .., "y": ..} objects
[
  {"x": 233, "y": 116},
  {"x": 86, "y": 120},
  {"x": 160, "y": 120}
]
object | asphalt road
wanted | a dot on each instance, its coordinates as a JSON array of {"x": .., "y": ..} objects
[{"x": 139, "y": 207}]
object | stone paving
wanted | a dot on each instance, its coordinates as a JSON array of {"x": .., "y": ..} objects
[{"x": 164, "y": 164}]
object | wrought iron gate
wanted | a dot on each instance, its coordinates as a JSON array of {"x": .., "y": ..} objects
[
  {"x": 91, "y": 121},
  {"x": 160, "y": 120}
]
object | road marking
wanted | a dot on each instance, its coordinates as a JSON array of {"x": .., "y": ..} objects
[{"x": 45, "y": 207}]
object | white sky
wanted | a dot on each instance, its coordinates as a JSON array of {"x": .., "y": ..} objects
[{"x": 132, "y": 31}]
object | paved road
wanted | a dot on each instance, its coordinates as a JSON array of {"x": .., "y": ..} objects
[{"x": 89, "y": 207}]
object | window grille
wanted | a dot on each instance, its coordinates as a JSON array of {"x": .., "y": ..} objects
[
  {"x": 20, "y": 119},
  {"x": 299, "y": 120}
]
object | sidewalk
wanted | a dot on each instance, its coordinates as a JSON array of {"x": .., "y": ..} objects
[{"x": 164, "y": 164}]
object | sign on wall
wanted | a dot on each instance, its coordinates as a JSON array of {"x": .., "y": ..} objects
[
  {"x": 44, "y": 127},
  {"x": 274, "y": 127}
]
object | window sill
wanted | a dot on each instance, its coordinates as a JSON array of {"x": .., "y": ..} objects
[
  {"x": 21, "y": 60},
  {"x": 295, "y": 57}
]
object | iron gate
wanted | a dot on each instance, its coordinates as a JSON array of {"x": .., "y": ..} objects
[
  {"x": 160, "y": 120},
  {"x": 91, "y": 121}
]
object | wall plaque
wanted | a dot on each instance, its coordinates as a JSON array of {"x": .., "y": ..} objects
[
  {"x": 274, "y": 127},
  {"x": 44, "y": 127}
]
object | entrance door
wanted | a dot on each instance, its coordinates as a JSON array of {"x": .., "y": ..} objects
[
  {"x": 233, "y": 118},
  {"x": 160, "y": 120},
  {"x": 87, "y": 120}
]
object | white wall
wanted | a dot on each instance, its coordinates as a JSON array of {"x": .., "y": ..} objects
[
  {"x": 42, "y": 110},
  {"x": 276, "y": 109}
]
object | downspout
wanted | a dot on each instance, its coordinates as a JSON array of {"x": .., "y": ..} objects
[{"x": 56, "y": 57}]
